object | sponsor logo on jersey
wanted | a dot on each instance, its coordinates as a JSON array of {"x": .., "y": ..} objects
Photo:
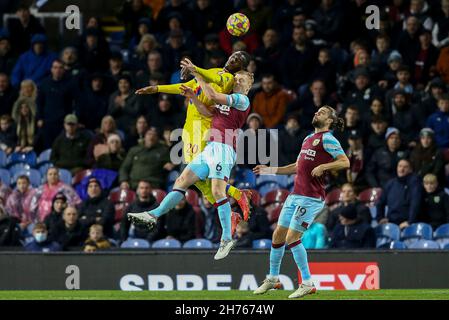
[{"x": 223, "y": 109}]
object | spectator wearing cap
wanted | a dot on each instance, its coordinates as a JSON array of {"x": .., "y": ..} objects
[
  {"x": 41, "y": 204},
  {"x": 290, "y": 140},
  {"x": 351, "y": 232},
  {"x": 92, "y": 105},
  {"x": 54, "y": 101},
  {"x": 19, "y": 201},
  {"x": 429, "y": 103},
  {"x": 206, "y": 17},
  {"x": 271, "y": 102},
  {"x": 124, "y": 105},
  {"x": 149, "y": 162},
  {"x": 268, "y": 55},
  {"x": 426, "y": 157},
  {"x": 167, "y": 113},
  {"x": 389, "y": 78},
  {"x": 7, "y": 61},
  {"x": 97, "y": 209},
  {"x": 94, "y": 54},
  {"x": 8, "y": 95},
  {"x": 22, "y": 29},
  {"x": 34, "y": 64},
  {"x": 69, "y": 232},
  {"x": 376, "y": 137},
  {"x": 405, "y": 118},
  {"x": 402, "y": 196},
  {"x": 435, "y": 203},
  {"x": 382, "y": 165},
  {"x": 112, "y": 156},
  {"x": 58, "y": 205},
  {"x": 439, "y": 122},
  {"x": 41, "y": 242},
  {"x": 311, "y": 34},
  {"x": 69, "y": 150}
]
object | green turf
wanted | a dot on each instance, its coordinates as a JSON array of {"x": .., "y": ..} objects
[{"x": 427, "y": 294}]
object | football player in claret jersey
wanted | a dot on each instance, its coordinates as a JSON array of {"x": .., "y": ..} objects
[
  {"x": 215, "y": 162},
  {"x": 320, "y": 153},
  {"x": 197, "y": 125}
]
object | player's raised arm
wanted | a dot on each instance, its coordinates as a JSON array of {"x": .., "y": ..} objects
[
  {"x": 208, "y": 75},
  {"x": 166, "y": 88},
  {"x": 201, "y": 107}
]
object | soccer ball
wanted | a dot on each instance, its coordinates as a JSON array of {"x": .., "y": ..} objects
[{"x": 237, "y": 24}]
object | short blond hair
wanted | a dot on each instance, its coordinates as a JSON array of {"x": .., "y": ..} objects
[
  {"x": 429, "y": 178},
  {"x": 96, "y": 227}
]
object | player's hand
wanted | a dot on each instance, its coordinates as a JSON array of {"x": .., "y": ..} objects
[
  {"x": 186, "y": 64},
  {"x": 147, "y": 90},
  {"x": 263, "y": 169},
  {"x": 317, "y": 171},
  {"x": 187, "y": 91}
]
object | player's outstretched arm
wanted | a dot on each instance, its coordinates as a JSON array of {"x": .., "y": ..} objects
[
  {"x": 166, "y": 88},
  {"x": 208, "y": 75},
  {"x": 201, "y": 107},
  {"x": 340, "y": 162},
  {"x": 263, "y": 169}
]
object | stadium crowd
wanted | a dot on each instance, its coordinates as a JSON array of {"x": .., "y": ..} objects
[{"x": 110, "y": 149}]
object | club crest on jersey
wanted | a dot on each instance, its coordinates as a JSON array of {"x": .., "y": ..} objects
[
  {"x": 223, "y": 109},
  {"x": 315, "y": 142}
]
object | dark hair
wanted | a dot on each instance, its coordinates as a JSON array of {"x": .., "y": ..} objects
[
  {"x": 403, "y": 68},
  {"x": 353, "y": 107},
  {"x": 24, "y": 177},
  {"x": 378, "y": 118},
  {"x": 337, "y": 122}
]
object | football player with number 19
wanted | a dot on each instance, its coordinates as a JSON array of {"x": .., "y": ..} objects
[{"x": 320, "y": 153}]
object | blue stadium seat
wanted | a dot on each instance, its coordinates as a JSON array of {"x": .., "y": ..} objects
[
  {"x": 3, "y": 158},
  {"x": 281, "y": 180},
  {"x": 388, "y": 230},
  {"x": 198, "y": 244},
  {"x": 441, "y": 232},
  {"x": 33, "y": 174},
  {"x": 44, "y": 156},
  {"x": 5, "y": 177},
  {"x": 264, "y": 189},
  {"x": 135, "y": 243},
  {"x": 243, "y": 185},
  {"x": 29, "y": 158},
  {"x": 424, "y": 244},
  {"x": 18, "y": 167},
  {"x": 262, "y": 244},
  {"x": 393, "y": 245},
  {"x": 43, "y": 168},
  {"x": 65, "y": 176},
  {"x": 416, "y": 231},
  {"x": 446, "y": 246},
  {"x": 166, "y": 244},
  {"x": 246, "y": 176}
]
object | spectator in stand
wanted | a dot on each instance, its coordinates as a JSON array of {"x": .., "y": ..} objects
[
  {"x": 426, "y": 59},
  {"x": 28, "y": 89},
  {"x": 147, "y": 44},
  {"x": 146, "y": 162},
  {"x": 429, "y": 104},
  {"x": 439, "y": 122},
  {"x": 408, "y": 41},
  {"x": 211, "y": 225},
  {"x": 22, "y": 29},
  {"x": 145, "y": 201},
  {"x": 92, "y": 105},
  {"x": 288, "y": 151},
  {"x": 403, "y": 85},
  {"x": 376, "y": 138},
  {"x": 402, "y": 196},
  {"x": 58, "y": 205},
  {"x": 5, "y": 191},
  {"x": 271, "y": 102},
  {"x": 298, "y": 60},
  {"x": 352, "y": 232},
  {"x": 143, "y": 28},
  {"x": 35, "y": 64},
  {"x": 389, "y": 77},
  {"x": 329, "y": 19},
  {"x": 112, "y": 156},
  {"x": 268, "y": 55},
  {"x": 175, "y": 7},
  {"x": 405, "y": 119},
  {"x": 8, "y": 136},
  {"x": 377, "y": 109},
  {"x": 40, "y": 242},
  {"x": 325, "y": 69},
  {"x": 259, "y": 14},
  {"x": 363, "y": 92},
  {"x": 70, "y": 147},
  {"x": 41, "y": 204},
  {"x": 380, "y": 55},
  {"x": 19, "y": 201},
  {"x": 97, "y": 209},
  {"x": 382, "y": 165},
  {"x": 89, "y": 247},
  {"x": 130, "y": 13},
  {"x": 94, "y": 54},
  {"x": 153, "y": 65},
  {"x": 440, "y": 32},
  {"x": 7, "y": 61},
  {"x": 167, "y": 113},
  {"x": 107, "y": 127},
  {"x": 211, "y": 46},
  {"x": 97, "y": 236},
  {"x": 7, "y": 95},
  {"x": 426, "y": 158},
  {"x": 243, "y": 235},
  {"x": 10, "y": 232},
  {"x": 54, "y": 102},
  {"x": 435, "y": 203},
  {"x": 180, "y": 222},
  {"x": 137, "y": 135},
  {"x": 24, "y": 114},
  {"x": 124, "y": 105},
  {"x": 348, "y": 199},
  {"x": 72, "y": 65},
  {"x": 69, "y": 232},
  {"x": 358, "y": 157},
  {"x": 117, "y": 68},
  {"x": 421, "y": 10},
  {"x": 353, "y": 124},
  {"x": 206, "y": 17}
]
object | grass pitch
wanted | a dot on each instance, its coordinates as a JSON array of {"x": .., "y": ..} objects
[{"x": 421, "y": 294}]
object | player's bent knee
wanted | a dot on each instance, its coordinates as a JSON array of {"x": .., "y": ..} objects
[{"x": 279, "y": 234}]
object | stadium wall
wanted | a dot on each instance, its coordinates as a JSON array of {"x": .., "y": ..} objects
[{"x": 196, "y": 270}]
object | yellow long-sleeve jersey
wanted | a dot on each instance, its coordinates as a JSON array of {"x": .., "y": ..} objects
[{"x": 196, "y": 125}]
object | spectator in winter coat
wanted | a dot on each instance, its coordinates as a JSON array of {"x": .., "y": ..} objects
[
  {"x": 34, "y": 64},
  {"x": 112, "y": 156},
  {"x": 402, "y": 196},
  {"x": 97, "y": 236},
  {"x": 211, "y": 224},
  {"x": 7, "y": 61},
  {"x": 439, "y": 122},
  {"x": 41, "y": 242},
  {"x": 24, "y": 114},
  {"x": 107, "y": 127},
  {"x": 18, "y": 203},
  {"x": 8, "y": 136},
  {"x": 58, "y": 206},
  {"x": 243, "y": 235},
  {"x": 10, "y": 232},
  {"x": 376, "y": 138},
  {"x": 290, "y": 141},
  {"x": 435, "y": 203},
  {"x": 69, "y": 232},
  {"x": 7, "y": 95},
  {"x": 97, "y": 209},
  {"x": 41, "y": 204},
  {"x": 180, "y": 222}
]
